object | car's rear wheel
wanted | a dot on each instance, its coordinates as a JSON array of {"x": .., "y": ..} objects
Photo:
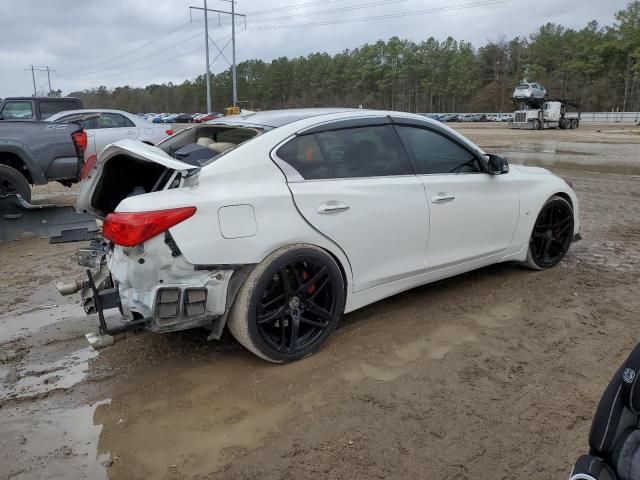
[
  {"x": 289, "y": 304},
  {"x": 13, "y": 182},
  {"x": 552, "y": 234}
]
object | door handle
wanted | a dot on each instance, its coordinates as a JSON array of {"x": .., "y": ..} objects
[
  {"x": 442, "y": 197},
  {"x": 332, "y": 207}
]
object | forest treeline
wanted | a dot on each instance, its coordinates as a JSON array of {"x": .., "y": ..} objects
[{"x": 598, "y": 65}]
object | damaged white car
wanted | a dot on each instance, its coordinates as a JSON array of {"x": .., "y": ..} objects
[{"x": 275, "y": 223}]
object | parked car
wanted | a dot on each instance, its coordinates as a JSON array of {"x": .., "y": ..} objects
[
  {"x": 527, "y": 91},
  {"x": 465, "y": 118},
  {"x": 451, "y": 117},
  {"x": 29, "y": 109},
  {"x": 159, "y": 118},
  {"x": 208, "y": 117},
  {"x": 34, "y": 153},
  {"x": 108, "y": 126},
  {"x": 182, "y": 118},
  {"x": 303, "y": 215},
  {"x": 480, "y": 117}
]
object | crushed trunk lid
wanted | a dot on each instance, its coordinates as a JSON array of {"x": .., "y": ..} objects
[{"x": 123, "y": 169}]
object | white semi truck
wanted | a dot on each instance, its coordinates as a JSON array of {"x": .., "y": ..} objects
[{"x": 550, "y": 114}]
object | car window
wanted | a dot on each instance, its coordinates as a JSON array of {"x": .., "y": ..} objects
[
  {"x": 17, "y": 110},
  {"x": 303, "y": 153},
  {"x": 86, "y": 124},
  {"x": 48, "y": 108},
  {"x": 113, "y": 120},
  {"x": 364, "y": 152},
  {"x": 432, "y": 153}
]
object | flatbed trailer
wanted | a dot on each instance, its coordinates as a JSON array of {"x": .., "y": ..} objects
[{"x": 546, "y": 114}]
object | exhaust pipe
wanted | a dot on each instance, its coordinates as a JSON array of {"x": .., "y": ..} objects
[{"x": 70, "y": 287}]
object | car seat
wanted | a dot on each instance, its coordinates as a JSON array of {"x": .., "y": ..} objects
[{"x": 614, "y": 438}]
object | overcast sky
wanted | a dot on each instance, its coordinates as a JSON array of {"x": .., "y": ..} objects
[{"x": 137, "y": 42}]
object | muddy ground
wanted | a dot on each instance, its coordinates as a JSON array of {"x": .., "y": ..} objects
[{"x": 490, "y": 375}]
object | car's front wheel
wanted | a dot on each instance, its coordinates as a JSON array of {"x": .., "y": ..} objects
[
  {"x": 289, "y": 304},
  {"x": 552, "y": 234},
  {"x": 13, "y": 182}
]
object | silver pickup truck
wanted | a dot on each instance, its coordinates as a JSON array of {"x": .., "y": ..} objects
[{"x": 35, "y": 153}]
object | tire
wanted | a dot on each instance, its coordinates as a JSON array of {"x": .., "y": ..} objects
[
  {"x": 552, "y": 234},
  {"x": 300, "y": 318},
  {"x": 12, "y": 181}
]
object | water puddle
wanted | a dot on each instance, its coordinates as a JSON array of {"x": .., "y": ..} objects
[
  {"x": 184, "y": 430},
  {"x": 38, "y": 378},
  {"x": 24, "y": 323},
  {"x": 594, "y": 157},
  {"x": 42, "y": 441}
]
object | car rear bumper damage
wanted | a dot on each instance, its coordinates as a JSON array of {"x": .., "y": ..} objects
[{"x": 155, "y": 288}]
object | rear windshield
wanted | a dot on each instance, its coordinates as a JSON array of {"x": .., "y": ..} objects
[
  {"x": 522, "y": 87},
  {"x": 48, "y": 108}
]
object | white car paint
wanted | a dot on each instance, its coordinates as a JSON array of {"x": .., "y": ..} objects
[
  {"x": 395, "y": 235},
  {"x": 98, "y": 138}
]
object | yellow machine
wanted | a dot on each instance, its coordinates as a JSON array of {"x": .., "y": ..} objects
[{"x": 232, "y": 111}]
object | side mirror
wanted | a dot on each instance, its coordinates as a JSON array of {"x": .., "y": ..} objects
[{"x": 498, "y": 165}]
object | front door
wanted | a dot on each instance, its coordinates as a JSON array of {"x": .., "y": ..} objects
[{"x": 473, "y": 215}]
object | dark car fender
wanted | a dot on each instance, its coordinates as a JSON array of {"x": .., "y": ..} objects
[{"x": 27, "y": 157}]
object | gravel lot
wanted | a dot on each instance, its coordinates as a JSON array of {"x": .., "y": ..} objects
[{"x": 490, "y": 375}]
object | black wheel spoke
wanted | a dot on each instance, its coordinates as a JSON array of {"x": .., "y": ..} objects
[
  {"x": 305, "y": 286},
  {"x": 276, "y": 299},
  {"x": 270, "y": 317},
  {"x": 319, "y": 288},
  {"x": 313, "y": 323},
  {"x": 295, "y": 326},
  {"x": 318, "y": 310},
  {"x": 284, "y": 278}
]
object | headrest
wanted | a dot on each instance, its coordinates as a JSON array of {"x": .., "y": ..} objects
[
  {"x": 205, "y": 141},
  {"x": 220, "y": 147},
  {"x": 619, "y": 405}
]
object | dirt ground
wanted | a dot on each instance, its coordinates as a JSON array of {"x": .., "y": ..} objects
[{"x": 490, "y": 375}]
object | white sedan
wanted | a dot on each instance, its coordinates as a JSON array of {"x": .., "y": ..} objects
[
  {"x": 299, "y": 216},
  {"x": 108, "y": 126}
]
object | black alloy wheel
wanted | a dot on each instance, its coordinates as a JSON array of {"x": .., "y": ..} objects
[
  {"x": 289, "y": 304},
  {"x": 552, "y": 234}
]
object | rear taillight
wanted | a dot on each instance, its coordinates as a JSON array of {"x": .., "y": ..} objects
[
  {"x": 89, "y": 163},
  {"x": 80, "y": 140},
  {"x": 129, "y": 229},
  {"x": 169, "y": 132}
]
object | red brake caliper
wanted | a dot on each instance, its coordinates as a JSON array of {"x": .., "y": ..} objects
[{"x": 311, "y": 288}]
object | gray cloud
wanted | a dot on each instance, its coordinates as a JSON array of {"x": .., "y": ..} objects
[{"x": 125, "y": 42}]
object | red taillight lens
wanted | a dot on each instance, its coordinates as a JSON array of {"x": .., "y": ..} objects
[
  {"x": 169, "y": 132},
  {"x": 80, "y": 140},
  {"x": 89, "y": 163},
  {"x": 129, "y": 229}
]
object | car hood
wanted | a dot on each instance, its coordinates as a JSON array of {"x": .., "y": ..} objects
[
  {"x": 132, "y": 149},
  {"x": 531, "y": 170}
]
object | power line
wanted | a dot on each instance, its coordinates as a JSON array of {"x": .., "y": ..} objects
[
  {"x": 137, "y": 48},
  {"x": 129, "y": 62},
  {"x": 387, "y": 16},
  {"x": 333, "y": 10},
  {"x": 293, "y": 7}
]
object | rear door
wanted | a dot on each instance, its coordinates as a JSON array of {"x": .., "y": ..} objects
[
  {"x": 355, "y": 186},
  {"x": 473, "y": 215},
  {"x": 111, "y": 127}
]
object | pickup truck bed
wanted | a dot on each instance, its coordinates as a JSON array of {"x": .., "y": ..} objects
[{"x": 38, "y": 152}]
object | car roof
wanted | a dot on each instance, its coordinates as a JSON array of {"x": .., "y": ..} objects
[
  {"x": 53, "y": 99},
  {"x": 278, "y": 118},
  {"x": 88, "y": 110}
]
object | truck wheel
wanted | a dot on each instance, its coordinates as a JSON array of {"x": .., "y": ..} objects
[
  {"x": 12, "y": 182},
  {"x": 537, "y": 125}
]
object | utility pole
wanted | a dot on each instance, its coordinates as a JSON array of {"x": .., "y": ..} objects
[
  {"x": 232, "y": 64},
  {"x": 206, "y": 42},
  {"x": 33, "y": 77},
  {"x": 49, "y": 80}
]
